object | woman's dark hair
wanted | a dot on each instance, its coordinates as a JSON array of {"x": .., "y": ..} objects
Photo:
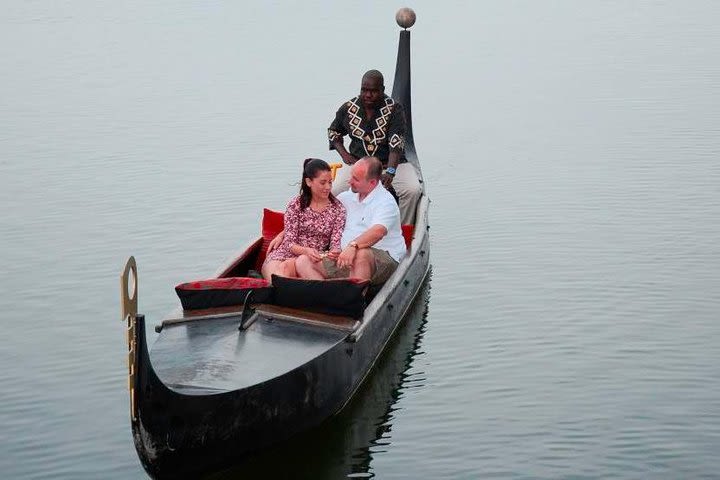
[{"x": 311, "y": 168}]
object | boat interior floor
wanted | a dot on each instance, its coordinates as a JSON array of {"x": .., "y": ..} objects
[{"x": 213, "y": 356}]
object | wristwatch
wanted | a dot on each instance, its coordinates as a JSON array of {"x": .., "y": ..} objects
[{"x": 353, "y": 244}]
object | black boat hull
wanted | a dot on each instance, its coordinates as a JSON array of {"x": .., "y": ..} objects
[{"x": 179, "y": 435}]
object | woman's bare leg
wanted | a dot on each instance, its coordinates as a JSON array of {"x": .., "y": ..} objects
[
  {"x": 289, "y": 268},
  {"x": 306, "y": 268},
  {"x": 283, "y": 268},
  {"x": 272, "y": 266}
]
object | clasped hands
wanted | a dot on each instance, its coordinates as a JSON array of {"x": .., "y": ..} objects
[
  {"x": 316, "y": 256},
  {"x": 343, "y": 258}
]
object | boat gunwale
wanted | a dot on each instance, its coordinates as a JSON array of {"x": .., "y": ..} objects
[{"x": 398, "y": 276}]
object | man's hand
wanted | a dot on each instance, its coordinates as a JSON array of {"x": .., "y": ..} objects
[
  {"x": 333, "y": 255},
  {"x": 346, "y": 257},
  {"x": 387, "y": 180},
  {"x": 348, "y": 159}
]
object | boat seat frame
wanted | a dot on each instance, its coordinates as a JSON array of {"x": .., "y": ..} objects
[{"x": 272, "y": 312}]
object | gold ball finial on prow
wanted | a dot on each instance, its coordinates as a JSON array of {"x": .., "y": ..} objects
[{"x": 405, "y": 17}]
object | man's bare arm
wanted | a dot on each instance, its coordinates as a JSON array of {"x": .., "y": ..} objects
[
  {"x": 344, "y": 154},
  {"x": 365, "y": 240}
]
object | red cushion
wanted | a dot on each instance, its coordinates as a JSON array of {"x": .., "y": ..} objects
[
  {"x": 222, "y": 292},
  {"x": 273, "y": 223},
  {"x": 407, "y": 232},
  {"x": 229, "y": 283}
]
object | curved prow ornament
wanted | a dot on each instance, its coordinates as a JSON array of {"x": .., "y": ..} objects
[{"x": 128, "y": 309}]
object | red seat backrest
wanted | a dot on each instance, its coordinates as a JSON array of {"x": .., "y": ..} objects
[
  {"x": 407, "y": 232},
  {"x": 272, "y": 223}
]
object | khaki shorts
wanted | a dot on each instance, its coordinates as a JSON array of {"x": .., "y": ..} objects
[{"x": 385, "y": 265}]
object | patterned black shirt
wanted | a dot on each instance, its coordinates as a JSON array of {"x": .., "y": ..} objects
[{"x": 375, "y": 136}]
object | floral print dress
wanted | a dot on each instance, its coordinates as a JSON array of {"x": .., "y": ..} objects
[{"x": 308, "y": 228}]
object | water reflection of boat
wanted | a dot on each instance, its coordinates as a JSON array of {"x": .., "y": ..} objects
[
  {"x": 345, "y": 444},
  {"x": 209, "y": 393}
]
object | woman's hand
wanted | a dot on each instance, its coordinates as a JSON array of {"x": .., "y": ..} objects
[
  {"x": 275, "y": 242},
  {"x": 313, "y": 254}
]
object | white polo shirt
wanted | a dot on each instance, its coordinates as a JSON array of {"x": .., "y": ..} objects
[{"x": 378, "y": 208}]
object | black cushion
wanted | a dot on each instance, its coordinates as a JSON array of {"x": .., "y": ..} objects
[
  {"x": 342, "y": 296},
  {"x": 222, "y": 292}
]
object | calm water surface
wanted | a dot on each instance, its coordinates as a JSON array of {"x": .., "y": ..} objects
[{"x": 570, "y": 329}]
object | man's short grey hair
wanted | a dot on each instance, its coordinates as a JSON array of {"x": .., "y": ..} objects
[{"x": 374, "y": 168}]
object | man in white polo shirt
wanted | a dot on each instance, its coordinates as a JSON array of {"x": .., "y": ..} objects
[{"x": 372, "y": 242}]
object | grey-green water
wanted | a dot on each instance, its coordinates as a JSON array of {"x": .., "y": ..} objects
[{"x": 571, "y": 151}]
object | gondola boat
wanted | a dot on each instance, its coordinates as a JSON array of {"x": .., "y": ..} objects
[{"x": 221, "y": 383}]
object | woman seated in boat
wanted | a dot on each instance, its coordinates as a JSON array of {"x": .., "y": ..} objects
[{"x": 314, "y": 222}]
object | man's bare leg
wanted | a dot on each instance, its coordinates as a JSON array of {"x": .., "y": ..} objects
[{"x": 364, "y": 265}]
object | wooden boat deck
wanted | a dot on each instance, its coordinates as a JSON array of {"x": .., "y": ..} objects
[{"x": 213, "y": 356}]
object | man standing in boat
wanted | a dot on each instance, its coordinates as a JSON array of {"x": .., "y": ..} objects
[
  {"x": 375, "y": 124},
  {"x": 372, "y": 242}
]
